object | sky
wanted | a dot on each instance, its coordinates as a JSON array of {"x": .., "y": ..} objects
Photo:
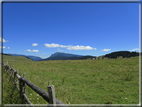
[{"x": 41, "y": 29}]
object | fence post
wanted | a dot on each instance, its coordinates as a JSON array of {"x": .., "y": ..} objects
[
  {"x": 52, "y": 99},
  {"x": 11, "y": 71},
  {"x": 8, "y": 70},
  {"x": 21, "y": 88},
  {"x": 24, "y": 85},
  {"x": 16, "y": 80},
  {"x": 6, "y": 67},
  {"x": 21, "y": 84},
  {"x": 14, "y": 77}
]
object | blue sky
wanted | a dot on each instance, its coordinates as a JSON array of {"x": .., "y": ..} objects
[{"x": 42, "y": 29}]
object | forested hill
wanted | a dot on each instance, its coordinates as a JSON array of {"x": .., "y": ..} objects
[{"x": 124, "y": 54}]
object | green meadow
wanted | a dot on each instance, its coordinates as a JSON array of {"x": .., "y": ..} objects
[{"x": 101, "y": 81}]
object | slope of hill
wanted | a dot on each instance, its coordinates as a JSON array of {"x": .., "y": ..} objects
[
  {"x": 34, "y": 58},
  {"x": 122, "y": 53},
  {"x": 14, "y": 58}
]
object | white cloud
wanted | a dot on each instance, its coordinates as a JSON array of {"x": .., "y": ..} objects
[
  {"x": 8, "y": 47},
  {"x": 32, "y": 50},
  {"x": 52, "y": 45},
  {"x": 69, "y": 47},
  {"x": 135, "y": 49},
  {"x": 34, "y": 44},
  {"x": 106, "y": 49},
  {"x": 2, "y": 47},
  {"x": 2, "y": 40},
  {"x": 79, "y": 48},
  {"x": 63, "y": 46},
  {"x": 35, "y": 51},
  {"x": 29, "y": 50}
]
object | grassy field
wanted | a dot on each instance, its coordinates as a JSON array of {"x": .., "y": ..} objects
[
  {"x": 104, "y": 81},
  {"x": 10, "y": 93}
]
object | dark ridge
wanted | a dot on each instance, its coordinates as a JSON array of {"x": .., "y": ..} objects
[{"x": 124, "y": 54}]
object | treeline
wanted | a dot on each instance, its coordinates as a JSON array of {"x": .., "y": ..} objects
[{"x": 124, "y": 54}]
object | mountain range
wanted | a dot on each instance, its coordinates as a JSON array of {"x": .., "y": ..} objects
[{"x": 68, "y": 56}]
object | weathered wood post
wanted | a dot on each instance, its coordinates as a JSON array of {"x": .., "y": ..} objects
[
  {"x": 12, "y": 71},
  {"x": 16, "y": 81},
  {"x": 24, "y": 85},
  {"x": 25, "y": 91},
  {"x": 6, "y": 67},
  {"x": 21, "y": 87},
  {"x": 21, "y": 84},
  {"x": 8, "y": 71},
  {"x": 14, "y": 77},
  {"x": 52, "y": 99}
]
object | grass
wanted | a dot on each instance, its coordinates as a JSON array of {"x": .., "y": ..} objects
[
  {"x": 105, "y": 81},
  {"x": 10, "y": 92}
]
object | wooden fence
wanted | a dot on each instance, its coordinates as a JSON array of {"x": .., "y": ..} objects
[{"x": 48, "y": 96}]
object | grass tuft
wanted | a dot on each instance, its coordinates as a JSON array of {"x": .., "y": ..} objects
[{"x": 129, "y": 76}]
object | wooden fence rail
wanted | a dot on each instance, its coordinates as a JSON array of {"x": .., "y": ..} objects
[{"x": 48, "y": 96}]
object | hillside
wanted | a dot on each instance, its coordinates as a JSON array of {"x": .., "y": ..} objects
[
  {"x": 15, "y": 58},
  {"x": 124, "y": 54},
  {"x": 34, "y": 58}
]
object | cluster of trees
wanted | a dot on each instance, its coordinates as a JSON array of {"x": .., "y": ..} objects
[{"x": 124, "y": 54}]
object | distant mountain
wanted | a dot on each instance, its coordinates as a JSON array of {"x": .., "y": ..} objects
[
  {"x": 66, "y": 56},
  {"x": 15, "y": 54},
  {"x": 34, "y": 58}
]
